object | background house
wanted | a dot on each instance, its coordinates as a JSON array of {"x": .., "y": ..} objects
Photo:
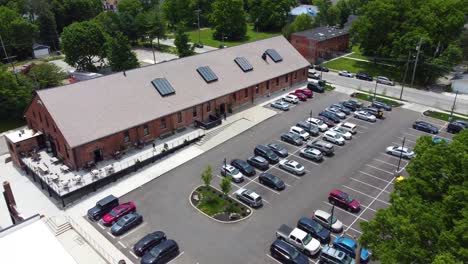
[
  {"x": 303, "y": 9},
  {"x": 40, "y": 51}
]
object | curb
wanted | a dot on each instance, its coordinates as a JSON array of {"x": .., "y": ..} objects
[{"x": 212, "y": 218}]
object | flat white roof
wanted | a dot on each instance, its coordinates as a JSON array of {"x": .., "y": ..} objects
[
  {"x": 23, "y": 134},
  {"x": 32, "y": 242}
]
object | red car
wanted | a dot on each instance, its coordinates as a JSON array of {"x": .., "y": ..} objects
[
  {"x": 305, "y": 92},
  {"x": 327, "y": 121},
  {"x": 301, "y": 96},
  {"x": 342, "y": 199},
  {"x": 119, "y": 211}
]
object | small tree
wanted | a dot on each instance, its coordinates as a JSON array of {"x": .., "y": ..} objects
[
  {"x": 207, "y": 176},
  {"x": 182, "y": 43},
  {"x": 225, "y": 185}
]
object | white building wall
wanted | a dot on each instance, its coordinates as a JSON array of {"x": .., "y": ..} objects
[{"x": 460, "y": 85}]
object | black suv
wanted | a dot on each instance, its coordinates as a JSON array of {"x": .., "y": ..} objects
[
  {"x": 243, "y": 167},
  {"x": 330, "y": 115},
  {"x": 102, "y": 207},
  {"x": 455, "y": 127},
  {"x": 286, "y": 253},
  {"x": 321, "y": 68},
  {"x": 267, "y": 153},
  {"x": 315, "y": 87},
  {"x": 363, "y": 76},
  {"x": 324, "y": 147}
]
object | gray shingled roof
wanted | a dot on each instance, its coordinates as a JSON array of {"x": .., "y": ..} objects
[
  {"x": 323, "y": 33},
  {"x": 89, "y": 110}
]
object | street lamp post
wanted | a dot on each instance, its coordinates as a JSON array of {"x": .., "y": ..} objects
[
  {"x": 453, "y": 106},
  {"x": 198, "y": 22},
  {"x": 357, "y": 259},
  {"x": 404, "y": 76},
  {"x": 375, "y": 89},
  {"x": 310, "y": 124},
  {"x": 401, "y": 155},
  {"x": 331, "y": 218}
]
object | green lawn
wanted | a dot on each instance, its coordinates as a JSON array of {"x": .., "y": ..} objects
[
  {"x": 355, "y": 66},
  {"x": 206, "y": 37},
  {"x": 358, "y": 55},
  {"x": 6, "y": 125},
  {"x": 370, "y": 98},
  {"x": 443, "y": 116}
]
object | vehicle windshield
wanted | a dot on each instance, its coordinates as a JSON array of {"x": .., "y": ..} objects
[
  {"x": 337, "y": 136},
  {"x": 319, "y": 122},
  {"x": 274, "y": 179},
  {"x": 307, "y": 239},
  {"x": 349, "y": 199},
  {"x": 114, "y": 212},
  {"x": 234, "y": 171},
  {"x": 295, "y": 136}
]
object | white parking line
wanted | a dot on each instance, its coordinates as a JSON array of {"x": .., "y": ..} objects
[
  {"x": 101, "y": 226},
  {"x": 397, "y": 158},
  {"x": 122, "y": 244},
  {"x": 336, "y": 207},
  {"x": 133, "y": 254},
  {"x": 273, "y": 259},
  {"x": 365, "y": 194},
  {"x": 409, "y": 140},
  {"x": 413, "y": 135},
  {"x": 382, "y": 161},
  {"x": 176, "y": 257},
  {"x": 370, "y": 185},
  {"x": 370, "y": 175},
  {"x": 133, "y": 230},
  {"x": 109, "y": 233},
  {"x": 349, "y": 227},
  {"x": 386, "y": 171}
]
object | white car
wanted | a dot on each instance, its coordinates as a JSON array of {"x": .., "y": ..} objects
[
  {"x": 337, "y": 112},
  {"x": 325, "y": 219},
  {"x": 346, "y": 74},
  {"x": 230, "y": 171},
  {"x": 398, "y": 150},
  {"x": 364, "y": 115},
  {"x": 319, "y": 123},
  {"x": 292, "y": 166},
  {"x": 300, "y": 132},
  {"x": 343, "y": 132},
  {"x": 333, "y": 137},
  {"x": 290, "y": 98},
  {"x": 385, "y": 80},
  {"x": 350, "y": 127}
]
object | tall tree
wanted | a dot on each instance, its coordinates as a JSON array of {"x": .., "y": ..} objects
[
  {"x": 300, "y": 23},
  {"x": 120, "y": 54},
  {"x": 46, "y": 75},
  {"x": 182, "y": 44},
  {"x": 109, "y": 21},
  {"x": 48, "y": 29},
  {"x": 56, "y": 7},
  {"x": 18, "y": 34},
  {"x": 83, "y": 45},
  {"x": 328, "y": 13},
  {"x": 179, "y": 12},
  {"x": 128, "y": 12},
  {"x": 151, "y": 25},
  {"x": 344, "y": 10},
  {"x": 81, "y": 10},
  {"x": 15, "y": 95},
  {"x": 228, "y": 19},
  {"x": 270, "y": 15}
]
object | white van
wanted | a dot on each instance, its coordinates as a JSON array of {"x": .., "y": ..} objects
[
  {"x": 350, "y": 127},
  {"x": 300, "y": 132}
]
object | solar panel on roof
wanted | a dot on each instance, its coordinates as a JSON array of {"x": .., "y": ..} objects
[
  {"x": 274, "y": 55},
  {"x": 244, "y": 64},
  {"x": 207, "y": 74},
  {"x": 163, "y": 86}
]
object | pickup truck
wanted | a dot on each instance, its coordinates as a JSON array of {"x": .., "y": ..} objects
[{"x": 300, "y": 239}]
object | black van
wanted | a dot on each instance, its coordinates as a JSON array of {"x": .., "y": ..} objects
[
  {"x": 161, "y": 253},
  {"x": 455, "y": 127},
  {"x": 102, "y": 207},
  {"x": 315, "y": 87},
  {"x": 286, "y": 253},
  {"x": 267, "y": 153}
]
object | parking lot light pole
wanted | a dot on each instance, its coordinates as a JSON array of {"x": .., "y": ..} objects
[
  {"x": 375, "y": 89},
  {"x": 225, "y": 163},
  {"x": 310, "y": 124},
  {"x": 401, "y": 155},
  {"x": 453, "y": 106},
  {"x": 331, "y": 218}
]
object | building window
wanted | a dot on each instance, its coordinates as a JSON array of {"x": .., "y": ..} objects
[
  {"x": 246, "y": 92},
  {"x": 68, "y": 153},
  {"x": 163, "y": 123},
  {"x": 277, "y": 81},
  {"x": 268, "y": 85},
  {"x": 286, "y": 77},
  {"x": 179, "y": 117},
  {"x": 208, "y": 107},
  {"x": 256, "y": 89},
  {"x": 58, "y": 146},
  {"x": 47, "y": 121},
  {"x": 194, "y": 111},
  {"x": 295, "y": 75},
  {"x": 55, "y": 129},
  {"x": 34, "y": 115},
  {"x": 126, "y": 136},
  {"x": 40, "y": 117},
  {"x": 145, "y": 130}
]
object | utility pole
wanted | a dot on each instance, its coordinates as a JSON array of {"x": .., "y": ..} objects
[
  {"x": 310, "y": 124},
  {"x": 375, "y": 89},
  {"x": 8, "y": 58},
  {"x": 404, "y": 76},
  {"x": 418, "y": 48},
  {"x": 198, "y": 18},
  {"x": 331, "y": 218},
  {"x": 401, "y": 155},
  {"x": 453, "y": 106}
]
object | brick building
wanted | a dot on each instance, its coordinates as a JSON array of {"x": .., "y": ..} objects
[
  {"x": 91, "y": 120},
  {"x": 321, "y": 43}
]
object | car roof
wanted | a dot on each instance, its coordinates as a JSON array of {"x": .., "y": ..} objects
[
  {"x": 322, "y": 213},
  {"x": 348, "y": 124},
  {"x": 346, "y": 241},
  {"x": 298, "y": 233},
  {"x": 252, "y": 194},
  {"x": 297, "y": 128},
  {"x": 259, "y": 158},
  {"x": 284, "y": 246},
  {"x": 333, "y": 252},
  {"x": 292, "y": 162},
  {"x": 338, "y": 192},
  {"x": 313, "y": 150}
]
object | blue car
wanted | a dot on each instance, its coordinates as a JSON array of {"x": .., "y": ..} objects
[
  {"x": 437, "y": 140},
  {"x": 348, "y": 246},
  {"x": 126, "y": 223},
  {"x": 426, "y": 127}
]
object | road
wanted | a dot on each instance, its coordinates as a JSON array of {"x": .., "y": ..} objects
[{"x": 431, "y": 99}]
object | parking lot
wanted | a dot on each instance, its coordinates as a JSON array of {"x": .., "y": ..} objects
[{"x": 360, "y": 167}]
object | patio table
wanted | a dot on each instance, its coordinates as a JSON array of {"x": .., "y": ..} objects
[
  {"x": 64, "y": 168},
  {"x": 54, "y": 160}
]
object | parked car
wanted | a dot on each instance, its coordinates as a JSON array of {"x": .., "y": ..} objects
[
  {"x": 118, "y": 212},
  {"x": 282, "y": 105},
  {"x": 342, "y": 108},
  {"x": 319, "y": 123},
  {"x": 291, "y": 99},
  {"x": 267, "y": 153},
  {"x": 326, "y": 220},
  {"x": 380, "y": 104},
  {"x": 232, "y": 172},
  {"x": 102, "y": 207},
  {"x": 292, "y": 166},
  {"x": 287, "y": 253},
  {"x": 321, "y": 68},
  {"x": 243, "y": 166},
  {"x": 299, "y": 95},
  {"x": 161, "y": 253},
  {"x": 306, "y": 92},
  {"x": 342, "y": 132},
  {"x": 315, "y": 87},
  {"x": 349, "y": 246},
  {"x": 398, "y": 150},
  {"x": 337, "y": 112},
  {"x": 426, "y": 127},
  {"x": 326, "y": 121},
  {"x": 311, "y": 153},
  {"x": 364, "y": 115},
  {"x": 351, "y": 105},
  {"x": 259, "y": 162},
  {"x": 147, "y": 242},
  {"x": 385, "y": 80},
  {"x": 249, "y": 197},
  {"x": 278, "y": 149},
  {"x": 309, "y": 128},
  {"x": 342, "y": 199},
  {"x": 330, "y": 115},
  {"x": 377, "y": 112},
  {"x": 126, "y": 223},
  {"x": 271, "y": 181},
  {"x": 363, "y": 76},
  {"x": 315, "y": 229},
  {"x": 292, "y": 138},
  {"x": 454, "y": 127},
  {"x": 334, "y": 256},
  {"x": 299, "y": 239},
  {"x": 324, "y": 147},
  {"x": 440, "y": 140},
  {"x": 462, "y": 122},
  {"x": 300, "y": 132},
  {"x": 334, "y": 138},
  {"x": 350, "y": 127},
  {"x": 358, "y": 103},
  {"x": 345, "y": 74}
]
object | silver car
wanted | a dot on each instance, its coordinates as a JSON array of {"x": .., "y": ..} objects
[
  {"x": 346, "y": 74},
  {"x": 343, "y": 132},
  {"x": 364, "y": 115},
  {"x": 312, "y": 154},
  {"x": 249, "y": 197},
  {"x": 280, "y": 105},
  {"x": 337, "y": 112},
  {"x": 398, "y": 150},
  {"x": 385, "y": 80},
  {"x": 230, "y": 171},
  {"x": 292, "y": 166}
]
